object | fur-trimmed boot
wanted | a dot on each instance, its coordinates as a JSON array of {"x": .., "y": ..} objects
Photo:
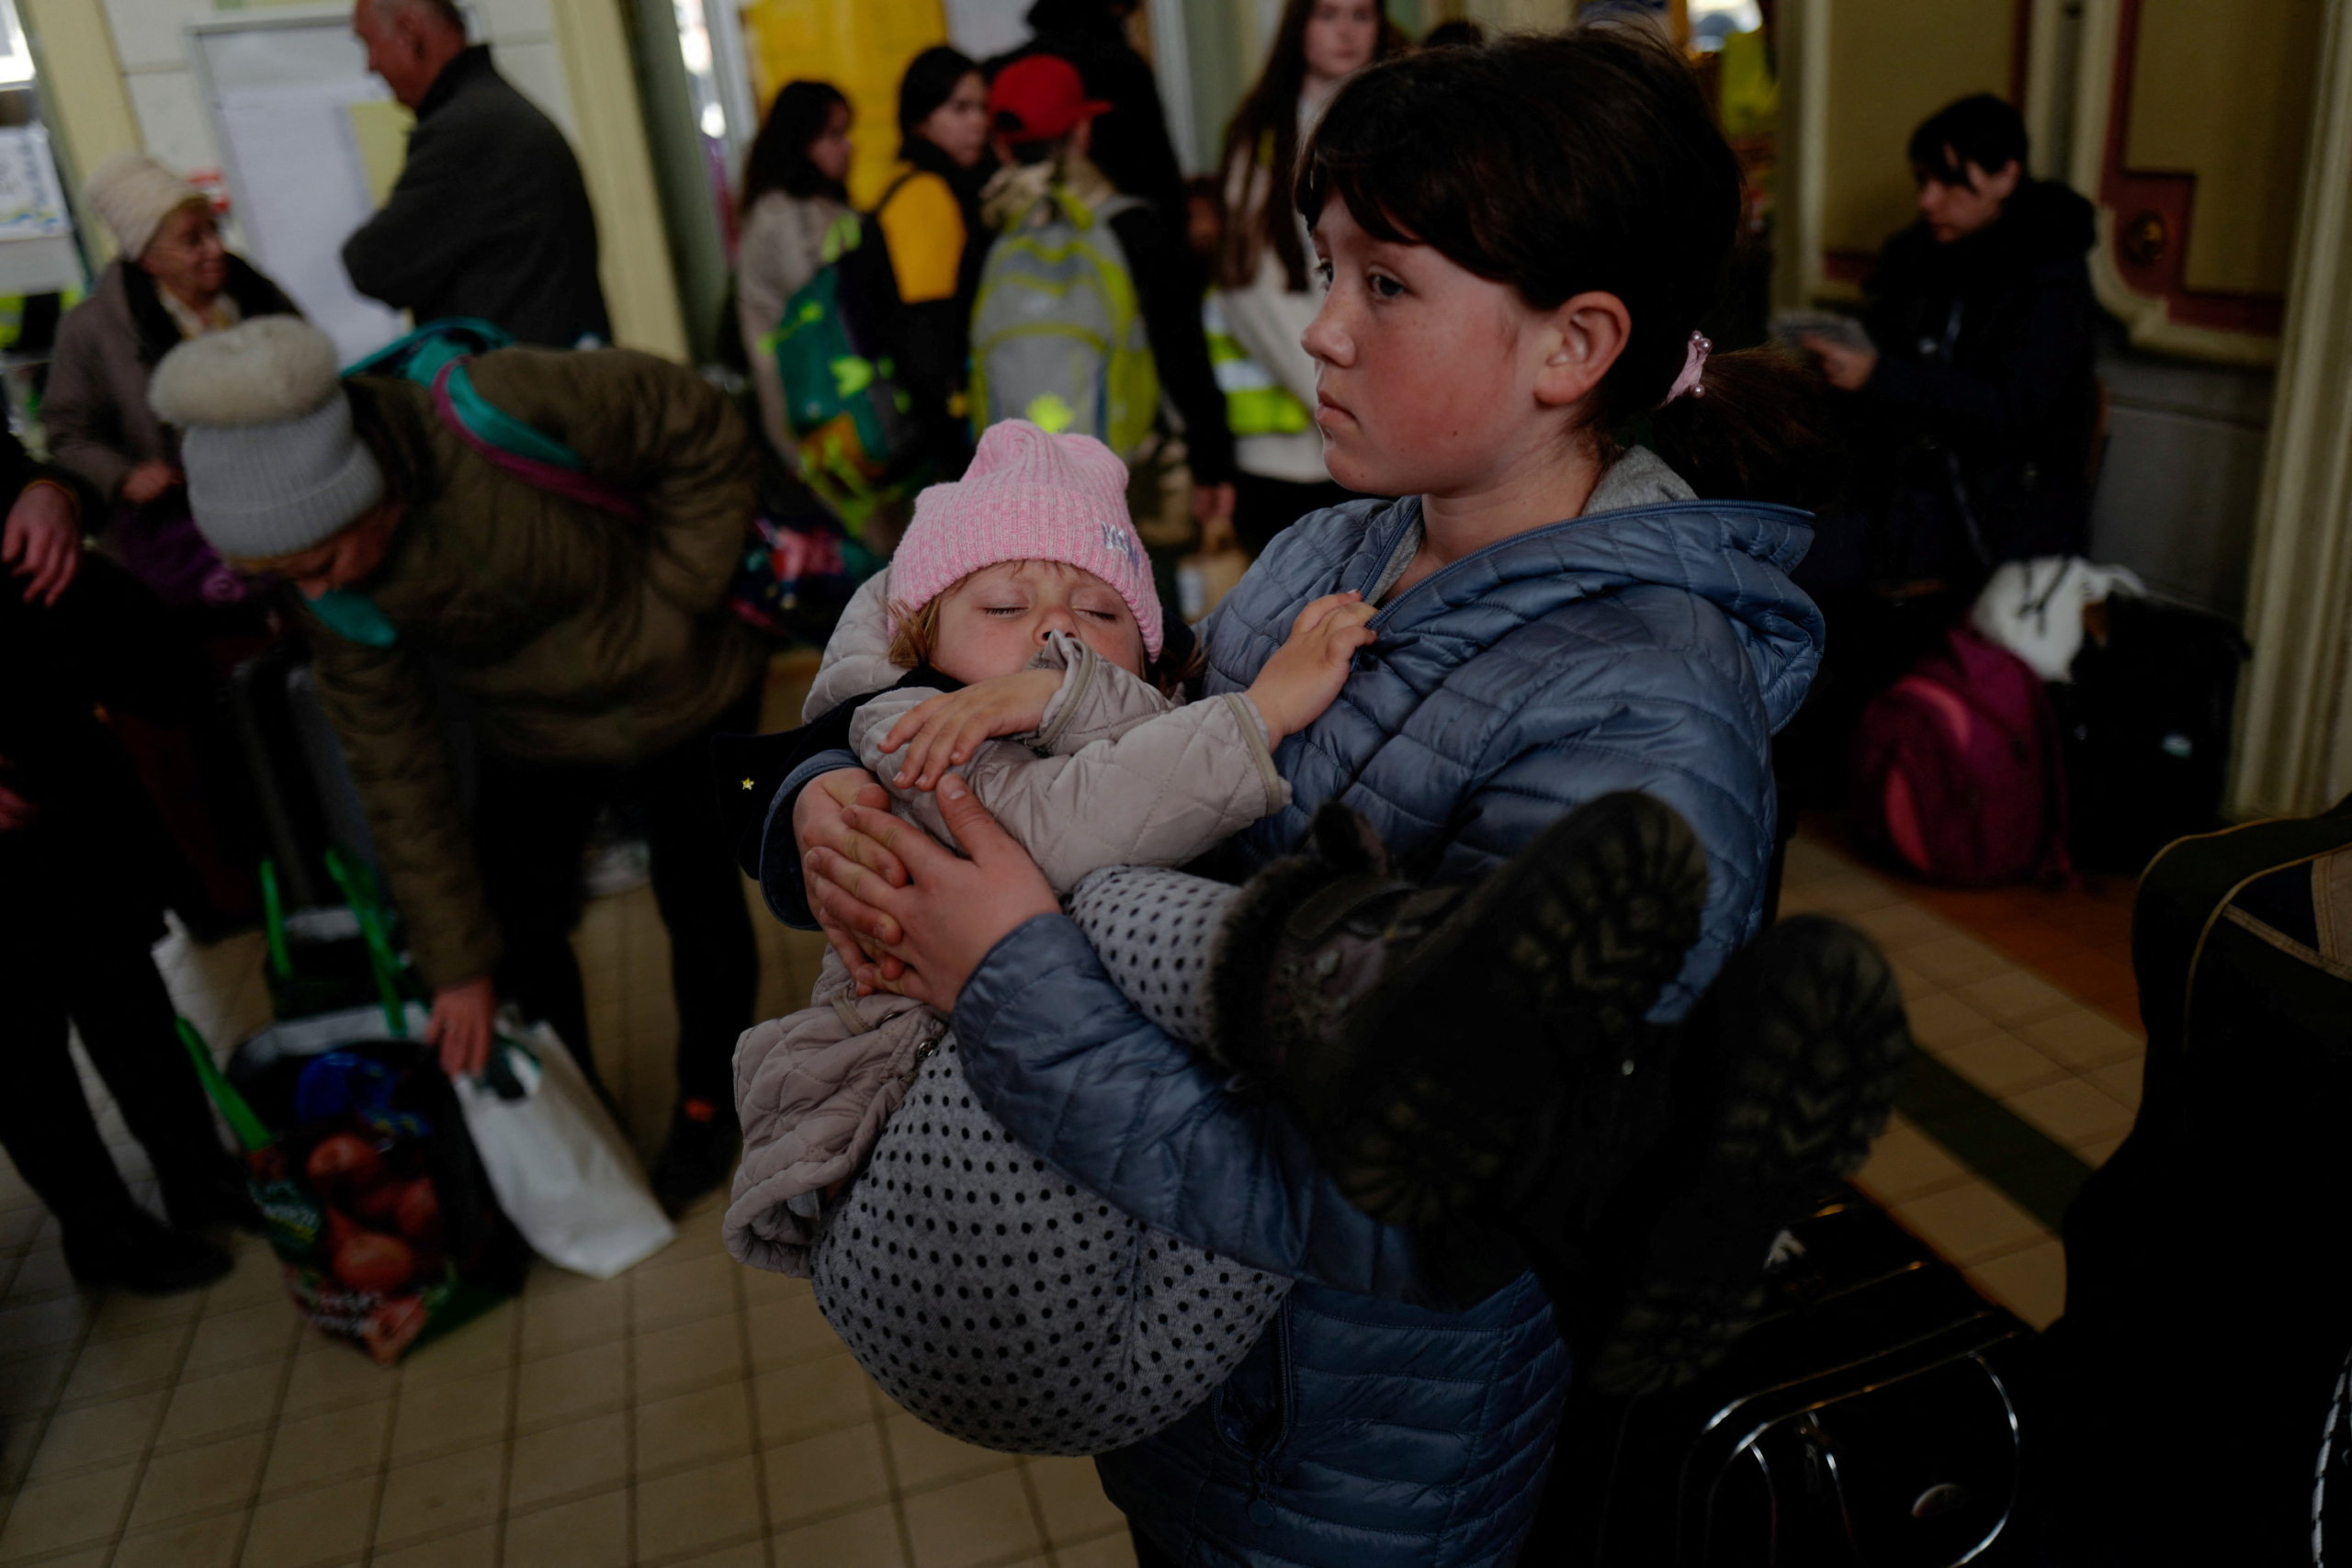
[{"x": 1427, "y": 1039}]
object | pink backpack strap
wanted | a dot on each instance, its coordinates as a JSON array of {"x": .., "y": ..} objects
[{"x": 570, "y": 483}]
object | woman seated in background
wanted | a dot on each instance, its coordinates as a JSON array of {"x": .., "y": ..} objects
[
  {"x": 794, "y": 190},
  {"x": 173, "y": 281}
]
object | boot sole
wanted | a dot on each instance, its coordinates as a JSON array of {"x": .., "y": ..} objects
[
  {"x": 1812, "y": 1045},
  {"x": 1545, "y": 969}
]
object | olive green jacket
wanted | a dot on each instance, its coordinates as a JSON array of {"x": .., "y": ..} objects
[{"x": 579, "y": 636}]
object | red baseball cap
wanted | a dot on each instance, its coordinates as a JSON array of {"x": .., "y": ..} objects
[{"x": 1039, "y": 97}]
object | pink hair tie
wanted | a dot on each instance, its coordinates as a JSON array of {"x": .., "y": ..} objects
[{"x": 1694, "y": 363}]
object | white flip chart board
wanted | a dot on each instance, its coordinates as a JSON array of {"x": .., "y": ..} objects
[{"x": 300, "y": 119}]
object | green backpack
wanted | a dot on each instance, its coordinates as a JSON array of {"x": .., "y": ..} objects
[
  {"x": 853, "y": 423},
  {"x": 1057, "y": 335}
]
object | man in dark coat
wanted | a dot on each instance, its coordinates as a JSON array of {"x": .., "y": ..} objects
[
  {"x": 1977, "y": 398},
  {"x": 79, "y": 843},
  {"x": 1131, "y": 145},
  {"x": 490, "y": 217}
]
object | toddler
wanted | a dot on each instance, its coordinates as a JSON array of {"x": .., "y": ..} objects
[{"x": 1020, "y": 605}]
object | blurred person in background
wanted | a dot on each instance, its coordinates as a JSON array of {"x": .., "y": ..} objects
[
  {"x": 795, "y": 191},
  {"x": 80, "y": 909},
  {"x": 1045, "y": 126},
  {"x": 599, "y": 655},
  {"x": 490, "y": 217},
  {"x": 172, "y": 280},
  {"x": 1266, "y": 293},
  {"x": 932, "y": 226},
  {"x": 1976, "y": 392},
  {"x": 1130, "y": 142},
  {"x": 1972, "y": 406}
]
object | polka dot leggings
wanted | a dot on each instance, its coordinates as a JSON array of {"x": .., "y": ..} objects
[{"x": 1011, "y": 1308}]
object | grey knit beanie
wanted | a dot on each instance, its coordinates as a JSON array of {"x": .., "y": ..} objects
[{"x": 273, "y": 463}]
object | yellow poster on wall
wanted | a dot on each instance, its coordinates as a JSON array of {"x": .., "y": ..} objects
[{"x": 861, "y": 47}]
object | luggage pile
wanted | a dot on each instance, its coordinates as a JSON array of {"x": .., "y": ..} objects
[
  {"x": 401, "y": 1202},
  {"x": 2073, "y": 722}
]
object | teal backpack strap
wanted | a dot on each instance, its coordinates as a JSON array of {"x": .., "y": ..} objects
[
  {"x": 488, "y": 425},
  {"x": 419, "y": 356}
]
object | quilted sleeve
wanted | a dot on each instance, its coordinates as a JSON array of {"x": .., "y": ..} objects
[{"x": 1163, "y": 792}]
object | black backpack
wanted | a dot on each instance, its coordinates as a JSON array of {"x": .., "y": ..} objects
[
  {"x": 1873, "y": 1419},
  {"x": 2207, "y": 1304},
  {"x": 2147, "y": 723}
]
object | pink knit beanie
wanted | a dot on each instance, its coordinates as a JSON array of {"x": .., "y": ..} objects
[{"x": 1028, "y": 496}]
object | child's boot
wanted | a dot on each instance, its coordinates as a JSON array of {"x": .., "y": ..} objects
[
  {"x": 1426, "y": 1038},
  {"x": 1786, "y": 1074}
]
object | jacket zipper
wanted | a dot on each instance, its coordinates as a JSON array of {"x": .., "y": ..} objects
[{"x": 1261, "y": 1506}]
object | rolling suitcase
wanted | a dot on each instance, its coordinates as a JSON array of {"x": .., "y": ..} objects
[{"x": 1875, "y": 1417}]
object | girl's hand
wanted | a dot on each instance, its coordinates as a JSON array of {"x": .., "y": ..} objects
[
  {"x": 465, "y": 1018},
  {"x": 1307, "y": 672},
  {"x": 42, "y": 542},
  {"x": 149, "y": 480},
  {"x": 950, "y": 914},
  {"x": 1848, "y": 369},
  {"x": 943, "y": 732},
  {"x": 818, "y": 822}
]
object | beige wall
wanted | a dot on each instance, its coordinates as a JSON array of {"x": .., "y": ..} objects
[
  {"x": 1891, "y": 66},
  {"x": 2224, "y": 92},
  {"x": 119, "y": 78}
]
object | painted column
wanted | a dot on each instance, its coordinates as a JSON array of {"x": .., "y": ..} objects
[
  {"x": 2294, "y": 748},
  {"x": 640, "y": 288}
]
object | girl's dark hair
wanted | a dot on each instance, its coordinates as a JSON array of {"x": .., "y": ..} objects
[
  {"x": 1979, "y": 129},
  {"x": 1583, "y": 161},
  {"x": 779, "y": 155},
  {"x": 1263, "y": 139},
  {"x": 929, "y": 82}
]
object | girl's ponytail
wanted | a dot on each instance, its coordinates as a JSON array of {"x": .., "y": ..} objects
[{"x": 1760, "y": 426}]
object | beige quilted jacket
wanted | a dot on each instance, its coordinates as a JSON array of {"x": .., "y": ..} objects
[{"x": 1116, "y": 774}]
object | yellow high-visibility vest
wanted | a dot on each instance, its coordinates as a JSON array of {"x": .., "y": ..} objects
[{"x": 1255, "y": 403}]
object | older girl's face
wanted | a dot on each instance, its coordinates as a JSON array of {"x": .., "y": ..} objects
[
  {"x": 1341, "y": 37},
  {"x": 960, "y": 127},
  {"x": 993, "y": 621},
  {"x": 831, "y": 152},
  {"x": 1425, "y": 373}
]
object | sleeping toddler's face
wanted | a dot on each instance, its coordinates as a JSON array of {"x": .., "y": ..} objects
[{"x": 994, "y": 621}]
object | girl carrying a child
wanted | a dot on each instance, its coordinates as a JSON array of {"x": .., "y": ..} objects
[
  {"x": 1019, "y": 602},
  {"x": 1574, "y": 656}
]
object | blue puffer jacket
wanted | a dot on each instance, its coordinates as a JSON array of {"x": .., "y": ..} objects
[{"x": 1653, "y": 644}]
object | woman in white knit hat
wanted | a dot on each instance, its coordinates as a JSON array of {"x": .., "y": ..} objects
[{"x": 173, "y": 281}]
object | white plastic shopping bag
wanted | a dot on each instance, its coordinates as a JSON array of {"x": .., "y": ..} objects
[
  {"x": 2034, "y": 608},
  {"x": 563, "y": 1171}
]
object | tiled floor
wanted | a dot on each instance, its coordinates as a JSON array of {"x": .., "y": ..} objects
[
  {"x": 2032, "y": 1068},
  {"x": 694, "y": 1412}
]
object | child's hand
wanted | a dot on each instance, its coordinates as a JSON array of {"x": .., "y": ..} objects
[
  {"x": 1299, "y": 682},
  {"x": 943, "y": 732}
]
